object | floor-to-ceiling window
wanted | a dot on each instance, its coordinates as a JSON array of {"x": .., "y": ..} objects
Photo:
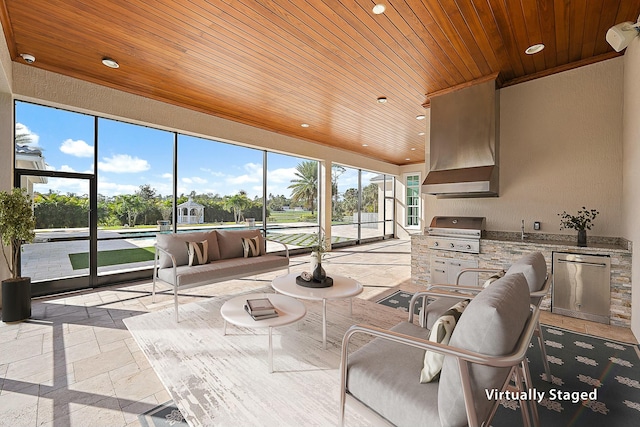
[
  {"x": 54, "y": 160},
  {"x": 362, "y": 205},
  {"x": 134, "y": 165},
  {"x": 103, "y": 189},
  {"x": 292, "y": 200}
]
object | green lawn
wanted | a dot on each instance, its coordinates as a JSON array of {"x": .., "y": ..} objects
[{"x": 118, "y": 256}]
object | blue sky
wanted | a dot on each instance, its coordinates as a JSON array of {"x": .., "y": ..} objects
[{"x": 131, "y": 155}]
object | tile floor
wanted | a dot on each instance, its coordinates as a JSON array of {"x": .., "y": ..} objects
[{"x": 75, "y": 364}]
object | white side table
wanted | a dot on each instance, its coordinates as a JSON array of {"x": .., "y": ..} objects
[
  {"x": 290, "y": 310},
  {"x": 343, "y": 288}
]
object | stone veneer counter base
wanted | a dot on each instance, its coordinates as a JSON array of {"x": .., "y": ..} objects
[{"x": 499, "y": 250}]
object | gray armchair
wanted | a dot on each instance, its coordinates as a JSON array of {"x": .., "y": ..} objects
[
  {"x": 534, "y": 268},
  {"x": 486, "y": 352}
]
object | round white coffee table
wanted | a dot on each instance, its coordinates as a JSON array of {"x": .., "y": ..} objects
[
  {"x": 343, "y": 288},
  {"x": 290, "y": 310}
]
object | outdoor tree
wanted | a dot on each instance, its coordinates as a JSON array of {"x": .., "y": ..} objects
[
  {"x": 130, "y": 205},
  {"x": 370, "y": 198},
  {"x": 305, "y": 186},
  {"x": 237, "y": 204},
  {"x": 350, "y": 201}
]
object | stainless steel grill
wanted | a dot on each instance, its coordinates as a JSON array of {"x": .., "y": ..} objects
[{"x": 459, "y": 234}]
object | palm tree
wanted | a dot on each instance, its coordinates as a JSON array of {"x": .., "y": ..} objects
[
  {"x": 305, "y": 186},
  {"x": 237, "y": 204}
]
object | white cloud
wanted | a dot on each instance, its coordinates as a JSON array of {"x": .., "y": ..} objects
[
  {"x": 113, "y": 189},
  {"x": 282, "y": 175},
  {"x": 24, "y": 130},
  {"x": 123, "y": 163},
  {"x": 167, "y": 175},
  {"x": 77, "y": 148},
  {"x": 194, "y": 180},
  {"x": 66, "y": 168},
  {"x": 242, "y": 179}
]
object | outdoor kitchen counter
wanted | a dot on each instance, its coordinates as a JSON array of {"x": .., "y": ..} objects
[{"x": 500, "y": 249}]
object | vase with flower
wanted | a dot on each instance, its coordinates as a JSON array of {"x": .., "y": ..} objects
[
  {"x": 581, "y": 222},
  {"x": 317, "y": 254}
]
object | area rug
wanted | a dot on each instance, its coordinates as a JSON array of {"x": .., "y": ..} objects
[
  {"x": 165, "y": 415},
  {"x": 400, "y": 301},
  {"x": 579, "y": 364},
  {"x": 595, "y": 382},
  {"x": 224, "y": 380}
]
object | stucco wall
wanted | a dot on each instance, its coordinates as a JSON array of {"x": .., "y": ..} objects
[
  {"x": 560, "y": 149},
  {"x": 631, "y": 171}
]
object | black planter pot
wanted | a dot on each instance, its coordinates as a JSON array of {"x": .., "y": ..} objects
[{"x": 16, "y": 299}]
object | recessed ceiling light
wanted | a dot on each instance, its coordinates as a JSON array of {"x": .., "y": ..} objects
[
  {"x": 420, "y": 117},
  {"x": 365, "y": 145},
  {"x": 379, "y": 8},
  {"x": 305, "y": 125},
  {"x": 111, "y": 63},
  {"x": 382, "y": 100},
  {"x": 407, "y": 158},
  {"x": 421, "y": 133},
  {"x": 413, "y": 149},
  {"x": 534, "y": 49}
]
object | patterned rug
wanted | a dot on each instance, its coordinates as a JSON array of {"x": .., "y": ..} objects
[
  {"x": 400, "y": 300},
  {"x": 165, "y": 415},
  {"x": 595, "y": 382}
]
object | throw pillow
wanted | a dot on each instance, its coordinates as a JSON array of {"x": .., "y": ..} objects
[
  {"x": 198, "y": 252},
  {"x": 493, "y": 278},
  {"x": 440, "y": 333},
  {"x": 251, "y": 246}
]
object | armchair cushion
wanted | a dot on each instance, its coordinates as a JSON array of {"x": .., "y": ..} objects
[
  {"x": 534, "y": 268},
  {"x": 382, "y": 375},
  {"x": 492, "y": 324},
  {"x": 441, "y": 333}
]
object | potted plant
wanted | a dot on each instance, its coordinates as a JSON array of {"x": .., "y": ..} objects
[
  {"x": 581, "y": 222},
  {"x": 16, "y": 227}
]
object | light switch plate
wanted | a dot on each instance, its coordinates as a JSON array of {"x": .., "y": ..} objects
[{"x": 536, "y": 225}]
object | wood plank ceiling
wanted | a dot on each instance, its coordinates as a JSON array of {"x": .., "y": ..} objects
[{"x": 276, "y": 64}]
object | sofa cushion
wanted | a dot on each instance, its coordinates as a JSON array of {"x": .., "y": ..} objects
[
  {"x": 440, "y": 333},
  {"x": 491, "y": 324},
  {"x": 534, "y": 268},
  {"x": 175, "y": 243},
  {"x": 230, "y": 242},
  {"x": 251, "y": 246},
  {"x": 198, "y": 252},
  {"x": 382, "y": 375},
  {"x": 223, "y": 269}
]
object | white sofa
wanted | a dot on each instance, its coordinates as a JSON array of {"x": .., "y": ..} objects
[{"x": 226, "y": 259}]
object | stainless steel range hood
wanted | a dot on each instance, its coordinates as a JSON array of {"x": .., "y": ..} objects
[{"x": 464, "y": 143}]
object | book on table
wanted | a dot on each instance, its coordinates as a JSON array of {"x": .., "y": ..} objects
[
  {"x": 260, "y": 316},
  {"x": 260, "y": 307}
]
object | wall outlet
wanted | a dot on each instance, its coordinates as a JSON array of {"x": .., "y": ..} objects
[{"x": 536, "y": 225}]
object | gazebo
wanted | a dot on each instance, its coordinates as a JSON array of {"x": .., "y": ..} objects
[{"x": 190, "y": 212}]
